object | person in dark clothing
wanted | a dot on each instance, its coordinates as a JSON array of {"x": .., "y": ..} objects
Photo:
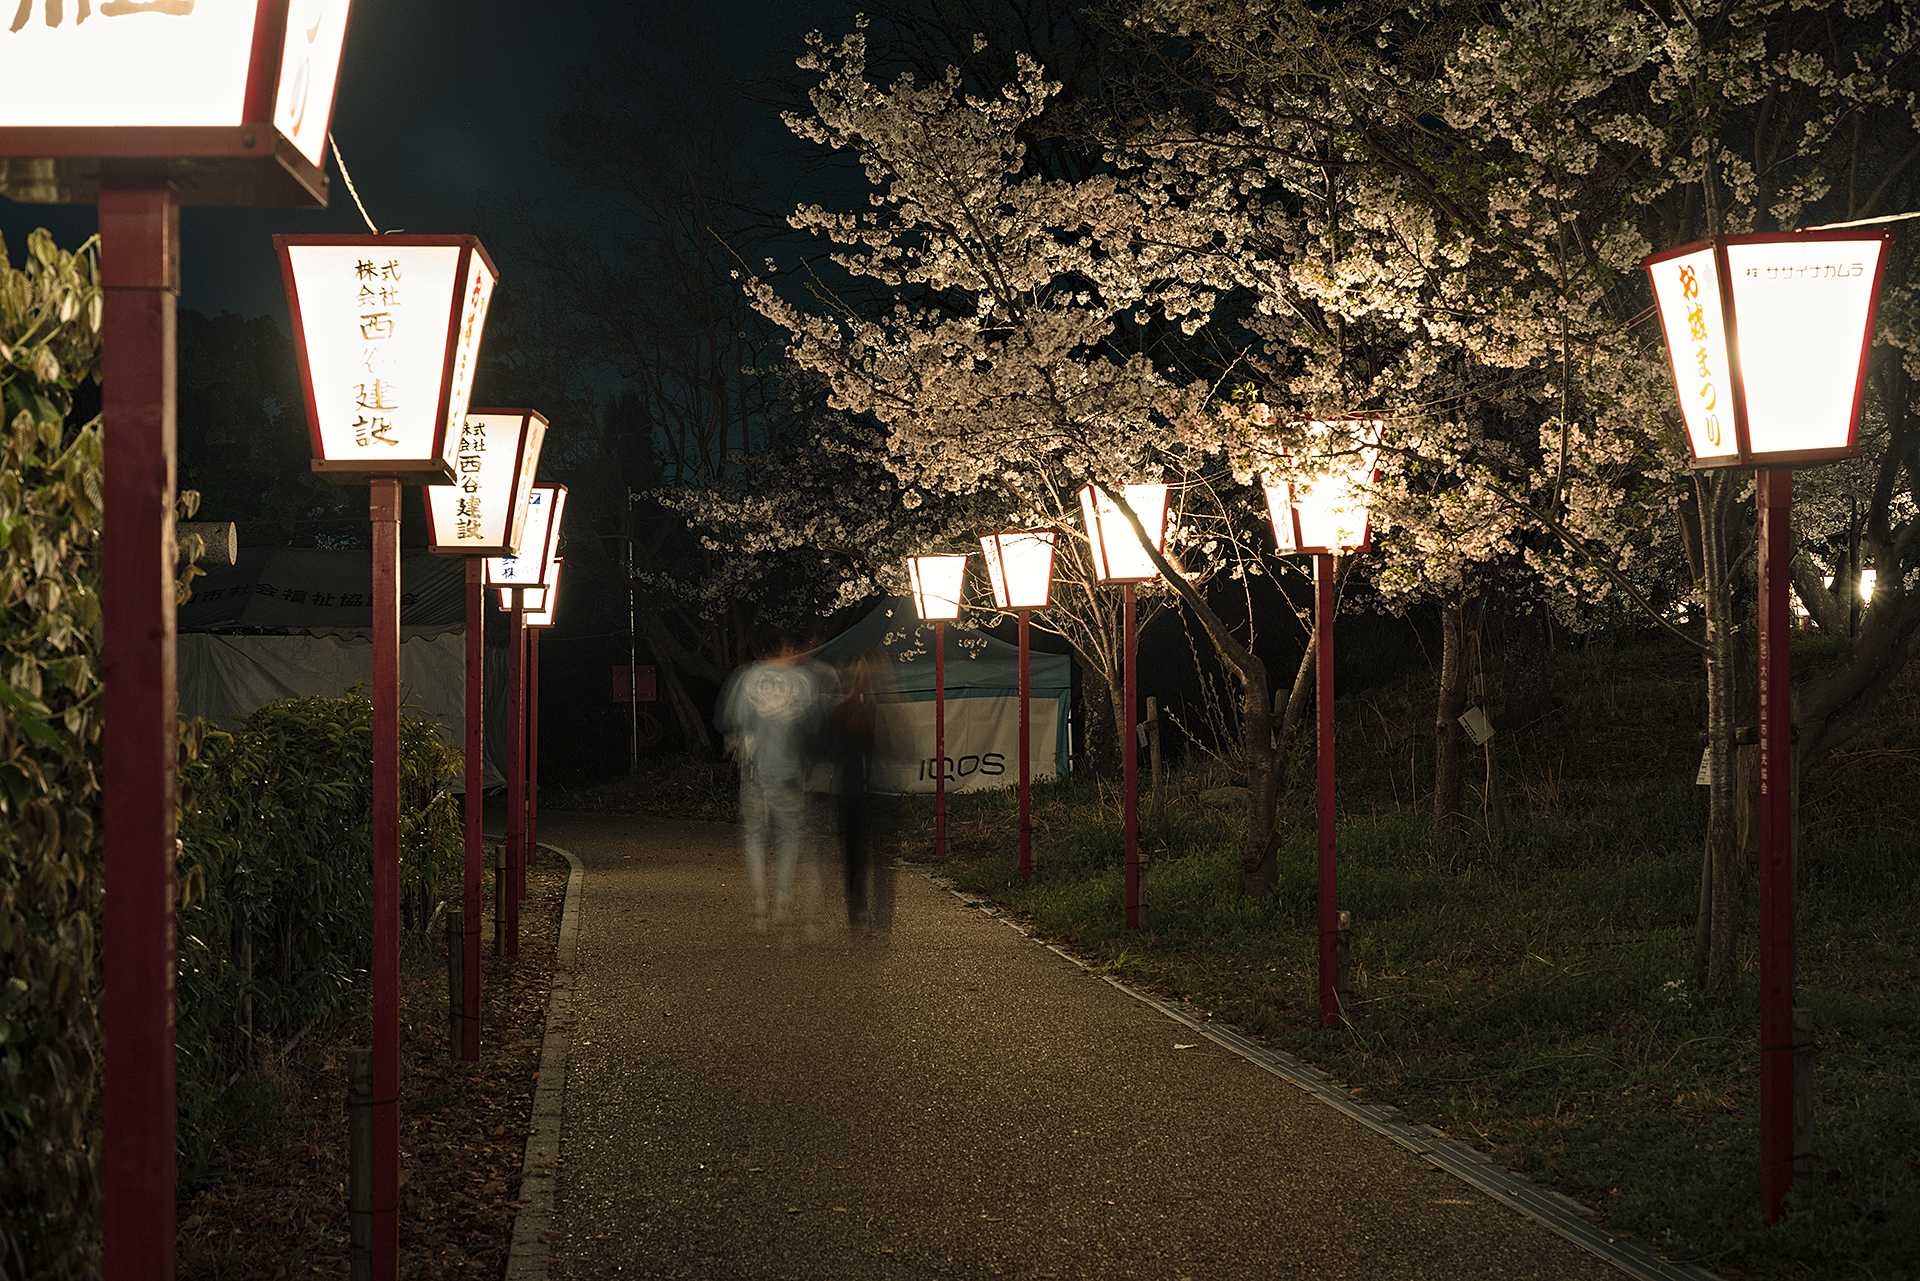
[{"x": 851, "y": 732}]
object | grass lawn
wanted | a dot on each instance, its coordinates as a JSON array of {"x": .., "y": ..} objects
[{"x": 1533, "y": 995}]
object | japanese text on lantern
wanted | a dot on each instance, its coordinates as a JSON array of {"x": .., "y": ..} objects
[
  {"x": 56, "y": 11},
  {"x": 470, "y": 462},
  {"x": 1697, "y": 331},
  {"x": 377, "y": 298}
]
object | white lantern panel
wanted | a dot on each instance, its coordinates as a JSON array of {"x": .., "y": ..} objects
[
  {"x": 937, "y": 583},
  {"x": 538, "y": 538},
  {"x": 540, "y": 613},
  {"x": 480, "y": 509},
  {"x": 145, "y": 62},
  {"x": 1117, "y": 553},
  {"x": 1333, "y": 509},
  {"x": 531, "y": 598},
  {"x": 1687, "y": 288},
  {"x": 375, "y": 320},
  {"x": 475, "y": 294},
  {"x": 1800, "y": 314},
  {"x": 1020, "y": 567},
  {"x": 309, "y": 69},
  {"x": 1280, "y": 512}
]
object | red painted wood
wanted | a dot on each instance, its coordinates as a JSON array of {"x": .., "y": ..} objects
[
  {"x": 1026, "y": 760},
  {"x": 383, "y": 509},
  {"x": 1774, "y": 496},
  {"x": 940, "y": 739},
  {"x": 533, "y": 749},
  {"x": 1130, "y": 750},
  {"x": 140, "y": 269},
  {"x": 1323, "y": 607},
  {"x": 516, "y": 769},
  {"x": 475, "y": 867}
]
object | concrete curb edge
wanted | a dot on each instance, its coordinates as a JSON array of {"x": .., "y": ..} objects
[
  {"x": 539, "y": 1169},
  {"x": 1557, "y": 1213}
]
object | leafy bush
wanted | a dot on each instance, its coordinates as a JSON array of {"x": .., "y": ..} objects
[
  {"x": 276, "y": 922},
  {"x": 50, "y": 903}
]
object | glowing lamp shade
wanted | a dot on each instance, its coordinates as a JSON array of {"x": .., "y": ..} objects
[
  {"x": 538, "y": 602},
  {"x": 243, "y": 87},
  {"x": 483, "y": 512},
  {"x": 1769, "y": 337},
  {"x": 539, "y": 539},
  {"x": 1327, "y": 515},
  {"x": 388, "y": 329},
  {"x": 1020, "y": 567},
  {"x": 936, "y": 583},
  {"x": 1118, "y": 556}
]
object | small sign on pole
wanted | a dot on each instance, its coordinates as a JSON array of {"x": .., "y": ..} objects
[
  {"x": 634, "y": 684},
  {"x": 1479, "y": 728}
]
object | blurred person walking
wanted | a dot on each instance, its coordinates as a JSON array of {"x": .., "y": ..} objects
[
  {"x": 771, "y": 715},
  {"x": 851, "y": 732}
]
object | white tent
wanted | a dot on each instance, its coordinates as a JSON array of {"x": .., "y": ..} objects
[
  {"x": 982, "y": 703},
  {"x": 291, "y": 622}
]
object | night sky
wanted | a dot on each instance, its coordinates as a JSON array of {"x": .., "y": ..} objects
[{"x": 440, "y": 113}]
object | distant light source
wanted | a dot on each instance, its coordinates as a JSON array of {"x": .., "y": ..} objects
[
  {"x": 483, "y": 512},
  {"x": 1769, "y": 337},
  {"x": 937, "y": 582},
  {"x": 539, "y": 541},
  {"x": 1118, "y": 556},
  {"x": 1327, "y": 515},
  {"x": 388, "y": 329},
  {"x": 1020, "y": 567}
]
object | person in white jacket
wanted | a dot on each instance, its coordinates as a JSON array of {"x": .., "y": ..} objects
[{"x": 772, "y": 713}]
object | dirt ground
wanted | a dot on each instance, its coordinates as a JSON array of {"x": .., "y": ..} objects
[{"x": 279, "y": 1208}]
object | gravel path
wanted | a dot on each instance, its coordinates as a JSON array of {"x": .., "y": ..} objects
[{"x": 955, "y": 1102}]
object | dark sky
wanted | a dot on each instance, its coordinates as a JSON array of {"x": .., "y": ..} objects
[{"x": 440, "y": 109}]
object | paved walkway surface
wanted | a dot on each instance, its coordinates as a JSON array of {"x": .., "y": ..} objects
[{"x": 957, "y": 1101}]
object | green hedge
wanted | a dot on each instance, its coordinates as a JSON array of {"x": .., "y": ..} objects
[
  {"x": 49, "y": 768},
  {"x": 276, "y": 865}
]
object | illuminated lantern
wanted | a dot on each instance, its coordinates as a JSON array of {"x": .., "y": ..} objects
[
  {"x": 1328, "y": 514},
  {"x": 936, "y": 583},
  {"x": 1020, "y": 570},
  {"x": 1118, "y": 556},
  {"x": 542, "y": 602},
  {"x": 388, "y": 329},
  {"x": 539, "y": 540},
  {"x": 1020, "y": 567},
  {"x": 1769, "y": 337},
  {"x": 484, "y": 510},
  {"x": 233, "y": 98}
]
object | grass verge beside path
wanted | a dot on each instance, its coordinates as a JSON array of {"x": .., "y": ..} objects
[
  {"x": 272, "y": 1202},
  {"x": 1533, "y": 997}
]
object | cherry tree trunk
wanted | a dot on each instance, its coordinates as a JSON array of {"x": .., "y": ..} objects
[
  {"x": 1450, "y": 754},
  {"x": 1719, "y": 889}
]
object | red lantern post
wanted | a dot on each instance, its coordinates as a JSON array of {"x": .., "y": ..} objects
[
  {"x": 518, "y": 578},
  {"x": 1120, "y": 557},
  {"x": 1769, "y": 336},
  {"x": 388, "y": 333},
  {"x": 937, "y": 581},
  {"x": 246, "y": 128},
  {"x": 1020, "y": 570},
  {"x": 1325, "y": 517},
  {"x": 483, "y": 513},
  {"x": 538, "y": 620}
]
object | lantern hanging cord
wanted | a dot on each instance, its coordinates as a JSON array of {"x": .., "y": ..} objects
[
  {"x": 348, "y": 178},
  {"x": 1862, "y": 222}
]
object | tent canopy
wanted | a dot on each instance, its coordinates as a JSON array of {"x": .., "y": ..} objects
[
  {"x": 978, "y": 664},
  {"x": 303, "y": 589}
]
